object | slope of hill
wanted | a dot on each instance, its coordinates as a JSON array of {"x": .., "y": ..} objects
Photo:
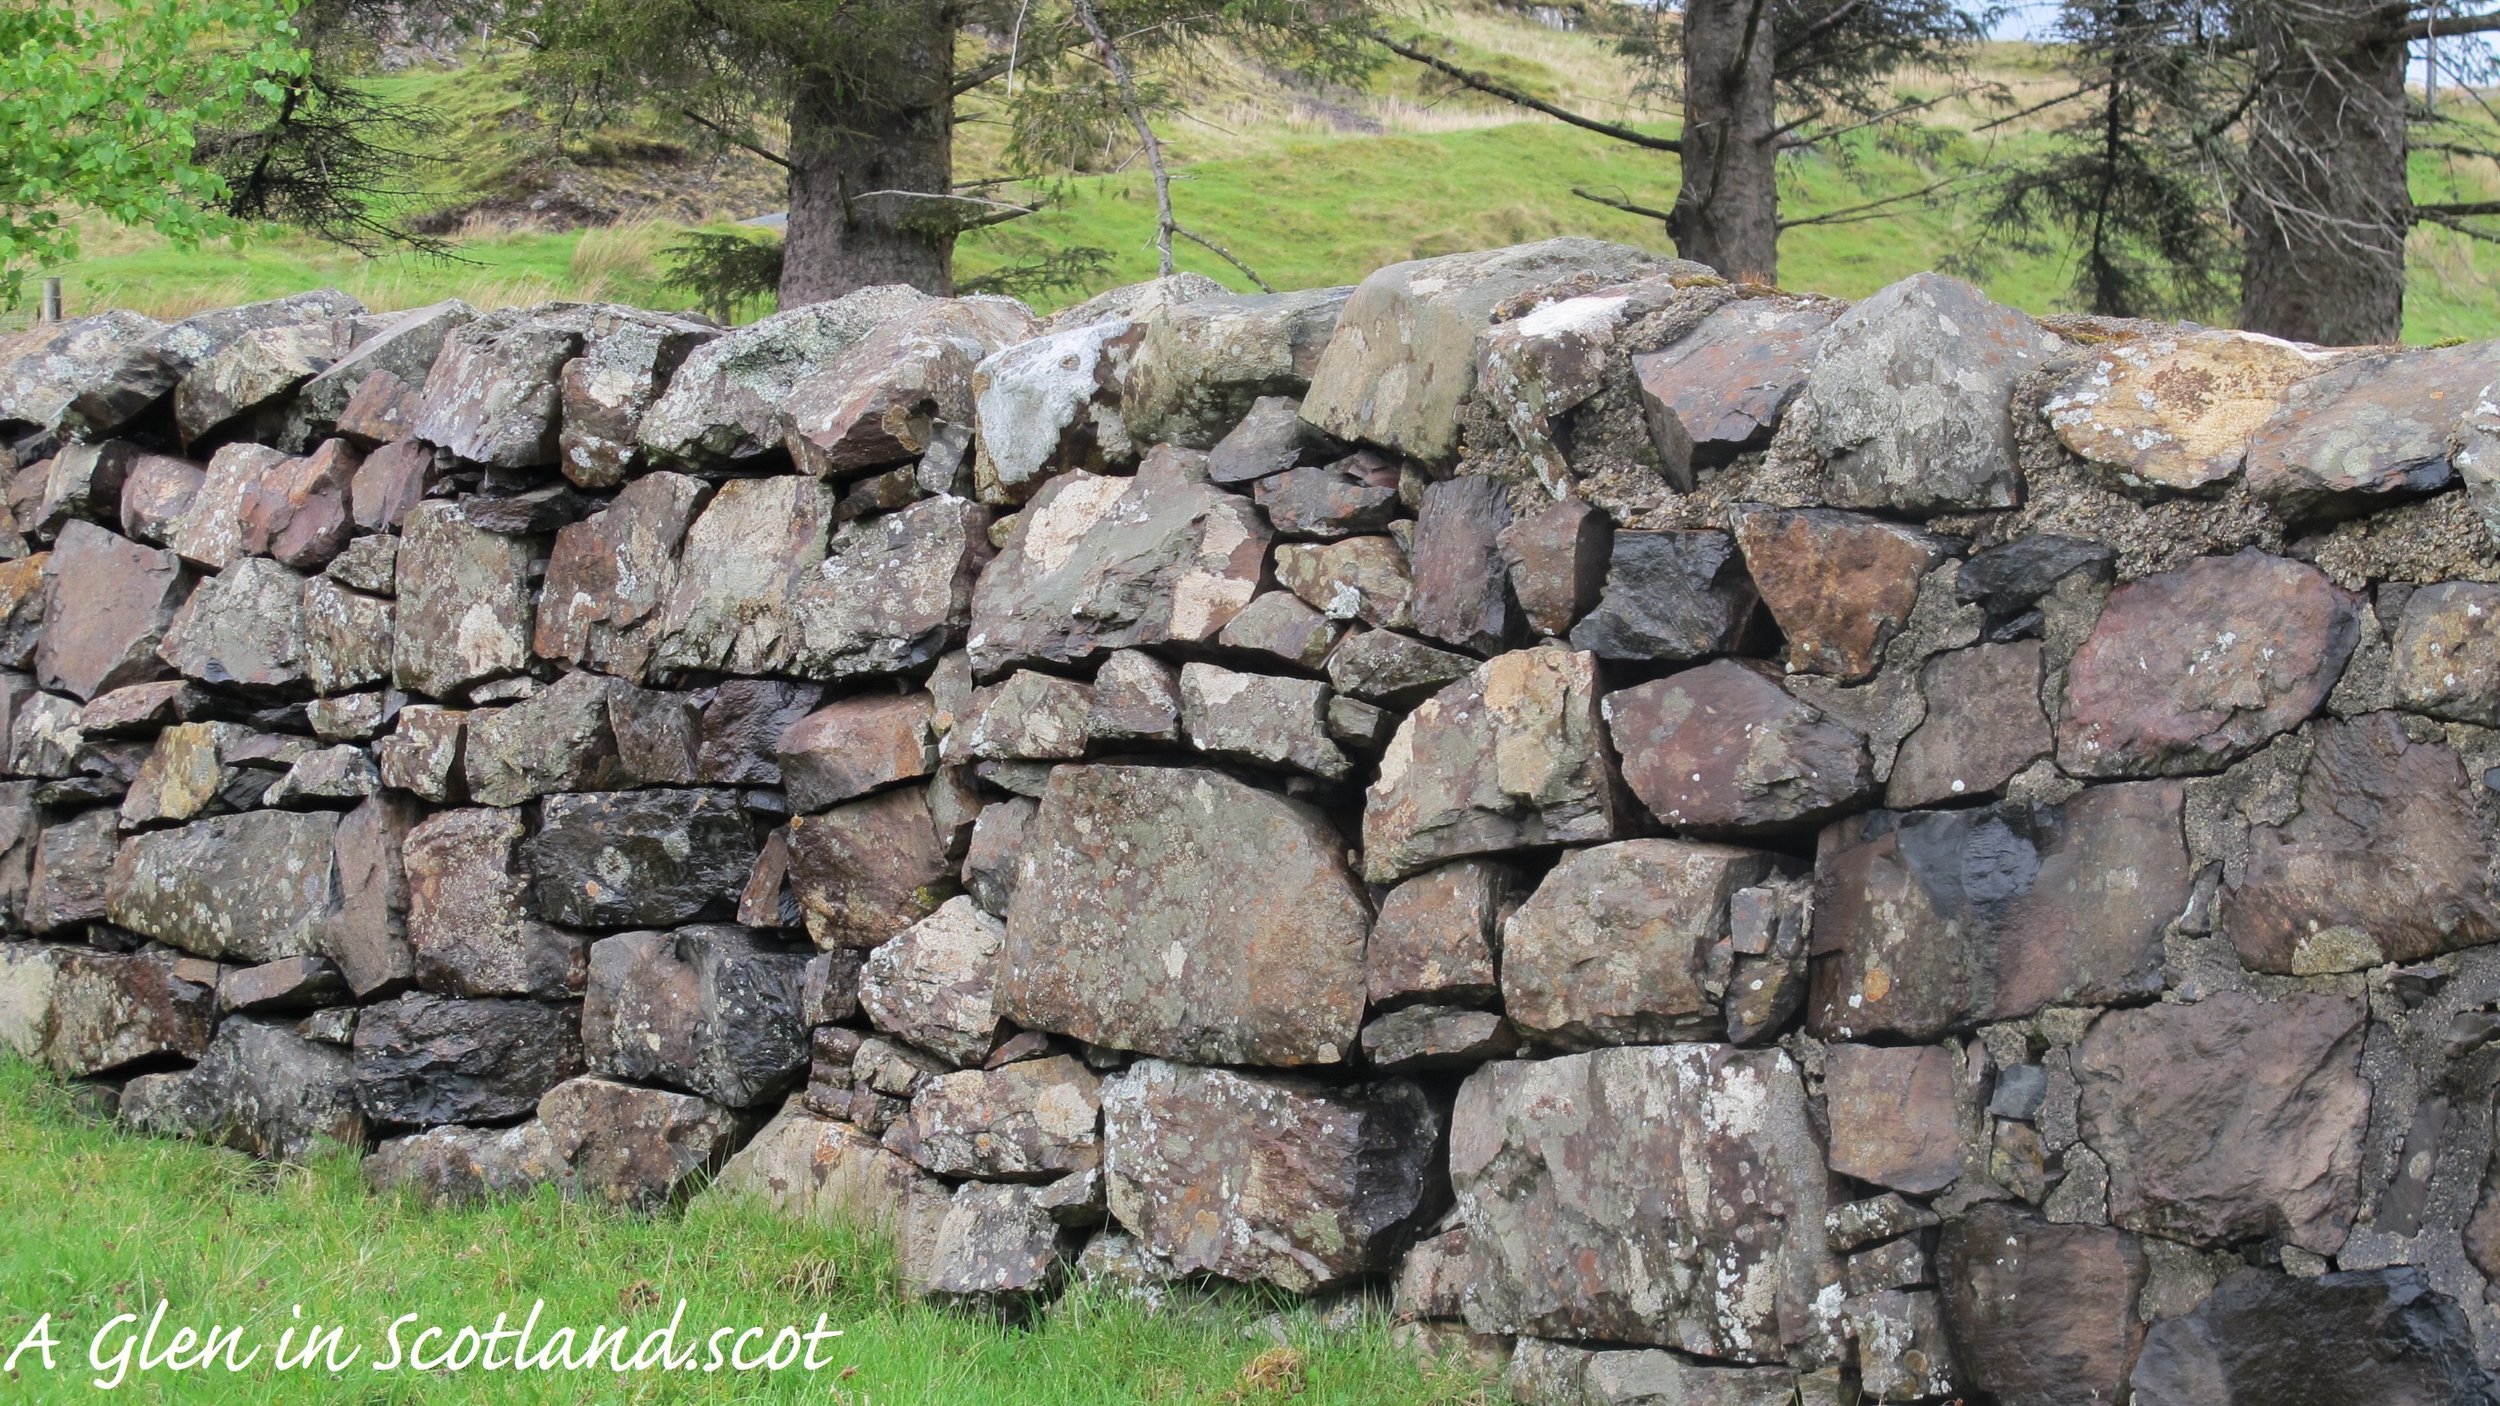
[{"x": 1309, "y": 186}]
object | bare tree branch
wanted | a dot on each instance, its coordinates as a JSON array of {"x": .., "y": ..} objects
[
  {"x": 2427, "y": 26},
  {"x": 1153, "y": 146},
  {"x": 1491, "y": 87},
  {"x": 1225, "y": 254},
  {"x": 1616, "y": 202},
  {"x": 741, "y": 143},
  {"x": 1872, "y": 209}
]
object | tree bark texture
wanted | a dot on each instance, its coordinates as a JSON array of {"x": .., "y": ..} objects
[
  {"x": 1726, "y": 210},
  {"x": 2324, "y": 208},
  {"x": 871, "y": 168}
]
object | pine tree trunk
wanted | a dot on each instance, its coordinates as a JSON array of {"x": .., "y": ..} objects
[
  {"x": 845, "y": 145},
  {"x": 2325, "y": 209},
  {"x": 1726, "y": 211}
]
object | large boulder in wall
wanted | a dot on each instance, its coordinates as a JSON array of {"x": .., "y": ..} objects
[{"x": 1178, "y": 912}]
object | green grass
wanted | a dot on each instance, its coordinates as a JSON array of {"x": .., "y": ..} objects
[{"x": 95, "y": 1223}]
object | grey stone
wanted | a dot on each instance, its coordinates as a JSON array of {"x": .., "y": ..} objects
[
  {"x": 464, "y": 604},
  {"x": 1261, "y": 718},
  {"x": 1910, "y": 398},
  {"x": 935, "y": 984},
  {"x": 1265, "y": 1178},
  {"x": 610, "y": 859},
  {"x": 1669, "y": 596},
  {"x": 242, "y": 628},
  {"x": 425, "y": 1059},
  {"x": 492, "y": 395},
  {"x": 259, "y": 1089},
  {"x": 713, "y": 1010},
  {"x": 1181, "y": 913},
  {"x": 725, "y": 402},
  {"x": 727, "y": 608},
  {"x": 258, "y": 886}
]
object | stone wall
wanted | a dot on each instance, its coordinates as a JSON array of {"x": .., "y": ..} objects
[{"x": 1719, "y": 846}]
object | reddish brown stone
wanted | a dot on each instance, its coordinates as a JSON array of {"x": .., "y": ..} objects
[
  {"x": 2387, "y": 860},
  {"x": 2041, "y": 1314},
  {"x": 22, "y": 604},
  {"x": 1627, "y": 944},
  {"x": 391, "y": 480},
  {"x": 1354, "y": 494},
  {"x": 1929, "y": 921},
  {"x": 1436, "y": 935},
  {"x": 1722, "y": 387},
  {"x": 1839, "y": 584},
  {"x": 1722, "y": 749},
  {"x": 1896, "y": 1114},
  {"x": 156, "y": 494},
  {"x": 1462, "y": 590},
  {"x": 109, "y": 602},
  {"x": 2447, "y": 652},
  {"x": 2233, "y": 1118},
  {"x": 73, "y": 869},
  {"x": 1557, "y": 560},
  {"x": 742, "y": 728},
  {"x": 608, "y": 573},
  {"x": 865, "y": 871},
  {"x": 1983, "y": 725},
  {"x": 298, "y": 511},
  {"x": 856, "y": 746},
  {"x": 2193, "y": 669},
  {"x": 380, "y": 410}
]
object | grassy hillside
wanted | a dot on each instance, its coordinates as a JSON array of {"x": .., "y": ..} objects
[
  {"x": 101, "y": 1224},
  {"x": 1309, "y": 186}
]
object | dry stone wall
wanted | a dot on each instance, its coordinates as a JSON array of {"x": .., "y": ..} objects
[{"x": 1711, "y": 845}]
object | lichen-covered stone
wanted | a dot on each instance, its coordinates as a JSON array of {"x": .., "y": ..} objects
[
  {"x": 259, "y": 1089},
  {"x": 2174, "y": 413},
  {"x": 493, "y": 394},
  {"x": 888, "y": 395},
  {"x": 1177, "y": 912},
  {"x": 935, "y": 983},
  {"x": 724, "y": 403},
  {"x": 612, "y": 859},
  {"x": 713, "y": 1010},
  {"x": 1510, "y": 757},
  {"x": 631, "y": 1147},
  {"x": 1401, "y": 366},
  {"x": 2192, "y": 669},
  {"x": 1096, "y": 564},
  {"x": 1355, "y": 578},
  {"x": 608, "y": 574},
  {"x": 456, "y": 1166},
  {"x": 892, "y": 593},
  {"x": 464, "y": 604},
  {"x": 627, "y": 360},
  {"x": 727, "y": 606},
  {"x": 1911, "y": 395},
  {"x": 466, "y": 918},
  {"x": 1265, "y": 1178},
  {"x": 1670, "y": 1194},
  {"x": 1260, "y": 718},
  {"x": 1626, "y": 943},
  {"x": 561, "y": 740},
  {"x": 2446, "y": 653},
  {"x": 110, "y": 1010},
  {"x": 1033, "y": 1120},
  {"x": 242, "y": 628},
  {"x": 403, "y": 349},
  {"x": 257, "y": 886},
  {"x": 1202, "y": 363},
  {"x": 2371, "y": 430}
]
